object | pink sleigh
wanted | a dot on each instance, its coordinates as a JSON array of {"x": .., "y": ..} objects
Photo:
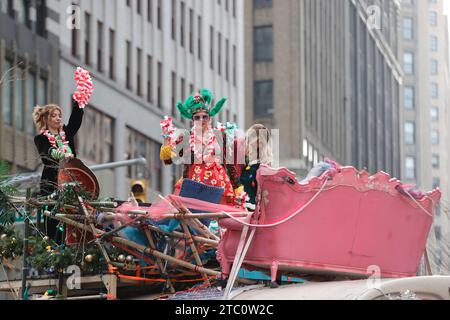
[{"x": 354, "y": 225}]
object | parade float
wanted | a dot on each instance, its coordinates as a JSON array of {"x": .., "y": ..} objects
[{"x": 340, "y": 223}]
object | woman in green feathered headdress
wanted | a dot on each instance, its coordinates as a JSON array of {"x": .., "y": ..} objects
[
  {"x": 206, "y": 166},
  {"x": 200, "y": 102}
]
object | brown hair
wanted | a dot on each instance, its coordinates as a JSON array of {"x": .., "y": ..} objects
[
  {"x": 41, "y": 114},
  {"x": 259, "y": 136}
]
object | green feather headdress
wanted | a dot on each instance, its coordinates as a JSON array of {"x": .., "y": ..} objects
[{"x": 200, "y": 101}]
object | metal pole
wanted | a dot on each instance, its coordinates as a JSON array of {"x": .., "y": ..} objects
[
  {"x": 25, "y": 245},
  {"x": 118, "y": 164}
]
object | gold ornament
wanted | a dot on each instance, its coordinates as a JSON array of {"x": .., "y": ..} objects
[
  {"x": 88, "y": 258},
  {"x": 121, "y": 258}
]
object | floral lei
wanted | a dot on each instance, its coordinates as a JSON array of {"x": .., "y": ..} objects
[
  {"x": 204, "y": 145},
  {"x": 64, "y": 149}
]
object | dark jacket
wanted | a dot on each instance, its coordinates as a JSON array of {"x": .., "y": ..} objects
[{"x": 49, "y": 178}]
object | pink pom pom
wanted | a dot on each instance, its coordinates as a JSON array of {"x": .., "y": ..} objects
[{"x": 85, "y": 87}]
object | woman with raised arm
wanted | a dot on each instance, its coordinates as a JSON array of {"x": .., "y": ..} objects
[{"x": 56, "y": 141}]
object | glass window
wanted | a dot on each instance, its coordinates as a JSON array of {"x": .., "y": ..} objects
[
  {"x": 434, "y": 43},
  {"x": 408, "y": 62},
  {"x": 31, "y": 128},
  {"x": 263, "y": 98},
  {"x": 410, "y": 168},
  {"x": 410, "y": 133},
  {"x": 19, "y": 98},
  {"x": 409, "y": 97},
  {"x": 434, "y": 137},
  {"x": 434, "y": 67},
  {"x": 408, "y": 28},
  {"x": 434, "y": 90},
  {"x": 435, "y": 161},
  {"x": 436, "y": 183},
  {"x": 438, "y": 232},
  {"x": 263, "y": 43},
  {"x": 434, "y": 114},
  {"x": 433, "y": 18},
  {"x": 8, "y": 94}
]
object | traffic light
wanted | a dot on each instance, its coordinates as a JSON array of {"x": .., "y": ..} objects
[{"x": 139, "y": 190}]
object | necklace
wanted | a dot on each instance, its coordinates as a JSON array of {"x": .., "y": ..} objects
[{"x": 61, "y": 146}]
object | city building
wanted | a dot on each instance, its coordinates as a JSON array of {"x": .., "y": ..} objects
[
  {"x": 425, "y": 109},
  {"x": 144, "y": 56},
  {"x": 326, "y": 74}
]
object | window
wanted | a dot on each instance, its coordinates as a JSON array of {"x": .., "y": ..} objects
[
  {"x": 42, "y": 89},
  {"x": 149, "y": 79},
  {"x": 41, "y": 18},
  {"x": 407, "y": 28},
  {"x": 199, "y": 38},
  {"x": 263, "y": 43},
  {"x": 434, "y": 137},
  {"x": 128, "y": 67},
  {"x": 139, "y": 6},
  {"x": 438, "y": 232},
  {"x": 263, "y": 98},
  {"x": 257, "y": 4},
  {"x": 112, "y": 49},
  {"x": 183, "y": 89},
  {"x": 191, "y": 31},
  {"x": 74, "y": 37},
  {"x": 410, "y": 133},
  {"x": 434, "y": 90},
  {"x": 433, "y": 18},
  {"x": 410, "y": 168},
  {"x": 20, "y": 87},
  {"x": 160, "y": 79},
  {"x": 174, "y": 19},
  {"x": 234, "y": 66},
  {"x": 8, "y": 95},
  {"x": 408, "y": 62},
  {"x": 139, "y": 73},
  {"x": 32, "y": 102},
  {"x": 87, "y": 39},
  {"x": 149, "y": 11},
  {"x": 183, "y": 23},
  {"x": 434, "y": 67},
  {"x": 434, "y": 114},
  {"x": 138, "y": 145},
  {"x": 434, "y": 43},
  {"x": 96, "y": 137},
  {"x": 409, "y": 97},
  {"x": 174, "y": 93},
  {"x": 219, "y": 52},
  {"x": 227, "y": 60},
  {"x": 435, "y": 161},
  {"x": 159, "y": 14},
  {"x": 100, "y": 46},
  {"x": 436, "y": 183},
  {"x": 211, "y": 48}
]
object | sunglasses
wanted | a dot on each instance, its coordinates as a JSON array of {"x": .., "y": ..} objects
[{"x": 198, "y": 118}]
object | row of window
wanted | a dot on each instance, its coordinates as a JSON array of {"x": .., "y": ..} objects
[
  {"x": 311, "y": 154},
  {"x": 408, "y": 60},
  {"x": 408, "y": 25},
  {"x": 410, "y": 96},
  {"x": 139, "y": 56},
  {"x": 410, "y": 134},
  {"x": 140, "y": 9},
  {"x": 20, "y": 11},
  {"x": 95, "y": 142},
  {"x": 410, "y": 169},
  {"x": 21, "y": 82}
]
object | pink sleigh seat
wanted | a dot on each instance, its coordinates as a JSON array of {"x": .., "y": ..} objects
[{"x": 357, "y": 224}]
